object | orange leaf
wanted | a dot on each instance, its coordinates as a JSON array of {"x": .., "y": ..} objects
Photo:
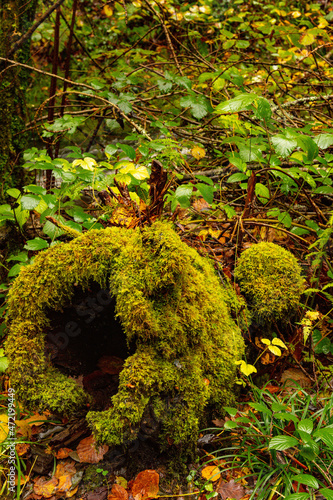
[
  {"x": 63, "y": 453},
  {"x": 118, "y": 493},
  {"x": 146, "y": 485},
  {"x": 45, "y": 487},
  {"x": 211, "y": 473},
  {"x": 87, "y": 452}
]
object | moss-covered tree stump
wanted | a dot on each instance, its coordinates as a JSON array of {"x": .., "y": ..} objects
[{"x": 172, "y": 308}]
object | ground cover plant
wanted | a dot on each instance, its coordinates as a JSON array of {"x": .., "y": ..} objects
[{"x": 215, "y": 116}]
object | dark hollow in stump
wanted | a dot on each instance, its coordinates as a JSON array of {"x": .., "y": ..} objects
[{"x": 175, "y": 317}]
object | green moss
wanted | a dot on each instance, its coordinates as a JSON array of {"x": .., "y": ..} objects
[
  {"x": 170, "y": 304},
  {"x": 270, "y": 278}
]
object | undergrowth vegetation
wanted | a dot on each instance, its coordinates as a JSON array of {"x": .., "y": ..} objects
[{"x": 234, "y": 100}]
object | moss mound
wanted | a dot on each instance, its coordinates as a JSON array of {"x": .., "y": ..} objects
[
  {"x": 270, "y": 278},
  {"x": 171, "y": 306}
]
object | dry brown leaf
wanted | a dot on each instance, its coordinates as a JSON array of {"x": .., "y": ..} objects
[
  {"x": 146, "y": 485},
  {"x": 111, "y": 364},
  {"x": 118, "y": 492},
  {"x": 23, "y": 428},
  {"x": 211, "y": 473},
  {"x": 295, "y": 374},
  {"x": 46, "y": 487},
  {"x": 218, "y": 422},
  {"x": 87, "y": 452},
  {"x": 200, "y": 204},
  {"x": 231, "y": 490}
]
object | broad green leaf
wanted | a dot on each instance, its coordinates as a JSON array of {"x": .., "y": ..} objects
[
  {"x": 261, "y": 407},
  {"x": 282, "y": 443},
  {"x": 238, "y": 162},
  {"x": 14, "y": 271},
  {"x": 183, "y": 195},
  {"x": 323, "y": 190},
  {"x": 325, "y": 435},
  {"x": 298, "y": 496},
  {"x": 230, "y": 211},
  {"x": 306, "y": 479},
  {"x": 36, "y": 244},
  {"x": 3, "y": 364},
  {"x": 207, "y": 192},
  {"x": 128, "y": 150},
  {"x": 232, "y": 411},
  {"x": 282, "y": 145},
  {"x": 263, "y": 109},
  {"x": 110, "y": 150},
  {"x": 21, "y": 216},
  {"x": 238, "y": 103},
  {"x": 308, "y": 145},
  {"x": 238, "y": 177},
  {"x": 51, "y": 230},
  {"x": 35, "y": 189},
  {"x": 285, "y": 219},
  {"x": 29, "y": 202},
  {"x": 198, "y": 104},
  {"x": 324, "y": 141},
  {"x": 21, "y": 257},
  {"x": 229, "y": 424},
  {"x": 286, "y": 416},
  {"x": 308, "y": 452},
  {"x": 15, "y": 193},
  {"x": 305, "y": 425},
  {"x": 262, "y": 192},
  {"x": 327, "y": 493},
  {"x": 278, "y": 407}
]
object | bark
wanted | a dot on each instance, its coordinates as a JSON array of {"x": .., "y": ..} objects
[{"x": 16, "y": 16}]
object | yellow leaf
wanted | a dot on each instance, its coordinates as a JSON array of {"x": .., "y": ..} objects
[
  {"x": 211, "y": 473},
  {"x": 246, "y": 369},
  {"x": 275, "y": 350},
  {"x": 198, "y": 152},
  {"x": 86, "y": 163},
  {"x": 108, "y": 10},
  {"x": 307, "y": 38},
  {"x": 279, "y": 343},
  {"x": 266, "y": 341},
  {"x": 3, "y": 427},
  {"x": 296, "y": 13}
]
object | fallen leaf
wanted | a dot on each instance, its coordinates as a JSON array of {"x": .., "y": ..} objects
[
  {"x": 111, "y": 364},
  {"x": 3, "y": 427},
  {"x": 87, "y": 452},
  {"x": 218, "y": 422},
  {"x": 146, "y": 485},
  {"x": 295, "y": 375},
  {"x": 46, "y": 487},
  {"x": 211, "y": 473},
  {"x": 118, "y": 493},
  {"x": 200, "y": 204},
  {"x": 231, "y": 490},
  {"x": 63, "y": 453},
  {"x": 22, "y": 448},
  {"x": 198, "y": 152}
]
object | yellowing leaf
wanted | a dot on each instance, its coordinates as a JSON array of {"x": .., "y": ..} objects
[
  {"x": 86, "y": 163},
  {"x": 279, "y": 343},
  {"x": 211, "y": 473},
  {"x": 3, "y": 427},
  {"x": 266, "y": 341},
  {"x": 108, "y": 10},
  {"x": 307, "y": 38},
  {"x": 198, "y": 152},
  {"x": 275, "y": 350},
  {"x": 245, "y": 368},
  {"x": 296, "y": 14}
]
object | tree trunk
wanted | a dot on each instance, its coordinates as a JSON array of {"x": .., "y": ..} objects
[{"x": 16, "y": 16}]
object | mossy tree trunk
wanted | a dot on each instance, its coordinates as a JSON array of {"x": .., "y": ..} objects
[{"x": 16, "y": 16}]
